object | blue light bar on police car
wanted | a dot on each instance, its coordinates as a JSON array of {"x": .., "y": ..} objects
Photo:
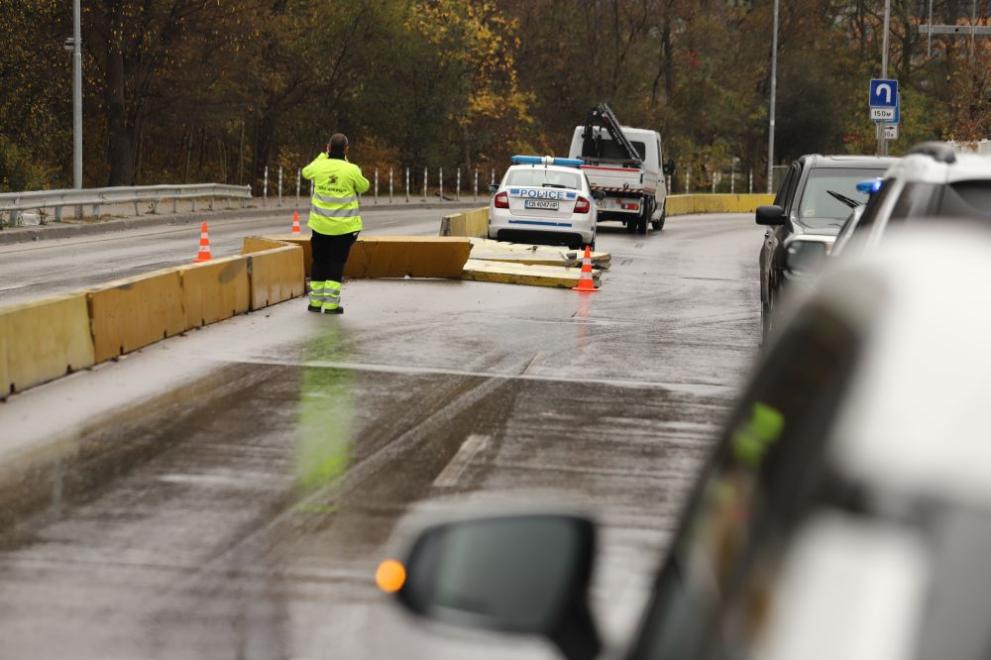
[
  {"x": 869, "y": 187},
  {"x": 547, "y": 160}
]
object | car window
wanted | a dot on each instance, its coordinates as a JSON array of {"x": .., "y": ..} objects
[
  {"x": 765, "y": 467},
  {"x": 873, "y": 208},
  {"x": 915, "y": 200},
  {"x": 818, "y": 207},
  {"x": 966, "y": 199},
  {"x": 542, "y": 177},
  {"x": 787, "y": 191}
]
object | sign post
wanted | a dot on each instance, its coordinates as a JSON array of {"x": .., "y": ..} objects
[{"x": 885, "y": 110}]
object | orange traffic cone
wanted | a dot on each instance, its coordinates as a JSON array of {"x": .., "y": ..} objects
[
  {"x": 585, "y": 281},
  {"x": 204, "y": 254},
  {"x": 295, "y": 222}
]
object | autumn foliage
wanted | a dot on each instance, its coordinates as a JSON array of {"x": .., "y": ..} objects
[{"x": 215, "y": 90}]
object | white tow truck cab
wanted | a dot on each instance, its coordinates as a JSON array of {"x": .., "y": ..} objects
[
  {"x": 626, "y": 165},
  {"x": 544, "y": 200}
]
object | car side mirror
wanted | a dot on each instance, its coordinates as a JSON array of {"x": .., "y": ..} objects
[
  {"x": 771, "y": 215},
  {"x": 669, "y": 167},
  {"x": 598, "y": 195},
  {"x": 493, "y": 188},
  {"x": 806, "y": 256},
  {"x": 524, "y": 574}
]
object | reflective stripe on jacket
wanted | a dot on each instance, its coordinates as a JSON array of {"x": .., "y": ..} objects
[{"x": 336, "y": 186}]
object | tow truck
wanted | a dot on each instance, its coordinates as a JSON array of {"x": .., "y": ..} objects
[{"x": 624, "y": 164}]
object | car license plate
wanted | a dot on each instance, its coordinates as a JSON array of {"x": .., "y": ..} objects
[{"x": 541, "y": 204}]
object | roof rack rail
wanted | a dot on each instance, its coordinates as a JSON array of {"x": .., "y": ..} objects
[{"x": 941, "y": 152}]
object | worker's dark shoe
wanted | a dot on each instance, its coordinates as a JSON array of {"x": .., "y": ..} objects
[
  {"x": 336, "y": 310},
  {"x": 314, "y": 308}
]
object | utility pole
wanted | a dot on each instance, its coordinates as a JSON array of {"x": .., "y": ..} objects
[
  {"x": 882, "y": 143},
  {"x": 77, "y": 100},
  {"x": 774, "y": 92}
]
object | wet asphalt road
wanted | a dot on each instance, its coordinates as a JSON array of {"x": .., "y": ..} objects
[{"x": 242, "y": 514}]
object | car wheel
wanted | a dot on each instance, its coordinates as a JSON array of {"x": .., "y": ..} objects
[
  {"x": 642, "y": 223},
  {"x": 658, "y": 225}
]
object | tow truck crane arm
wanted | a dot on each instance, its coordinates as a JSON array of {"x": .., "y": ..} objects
[{"x": 601, "y": 116}]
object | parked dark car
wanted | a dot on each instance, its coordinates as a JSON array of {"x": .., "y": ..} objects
[{"x": 815, "y": 198}]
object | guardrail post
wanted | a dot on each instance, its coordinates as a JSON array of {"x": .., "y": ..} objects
[
  {"x": 667, "y": 181},
  {"x": 713, "y": 181},
  {"x": 457, "y": 195},
  {"x": 376, "y": 185},
  {"x": 492, "y": 180},
  {"x": 425, "y": 172},
  {"x": 407, "y": 185},
  {"x": 280, "y": 185},
  {"x": 750, "y": 185},
  {"x": 58, "y": 214},
  {"x": 265, "y": 188},
  {"x": 175, "y": 203},
  {"x": 96, "y": 211},
  {"x": 732, "y": 178},
  {"x": 390, "y": 185},
  {"x": 299, "y": 182},
  {"x": 440, "y": 183},
  {"x": 476, "y": 184},
  {"x": 688, "y": 179}
]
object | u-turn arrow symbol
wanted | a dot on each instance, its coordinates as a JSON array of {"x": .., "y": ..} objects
[{"x": 884, "y": 88}]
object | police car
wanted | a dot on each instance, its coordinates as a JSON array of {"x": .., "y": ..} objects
[{"x": 544, "y": 200}]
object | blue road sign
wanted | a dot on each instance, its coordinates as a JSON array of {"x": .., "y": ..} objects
[{"x": 883, "y": 101}]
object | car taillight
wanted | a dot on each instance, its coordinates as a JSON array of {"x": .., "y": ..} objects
[
  {"x": 631, "y": 206},
  {"x": 502, "y": 201},
  {"x": 582, "y": 205}
]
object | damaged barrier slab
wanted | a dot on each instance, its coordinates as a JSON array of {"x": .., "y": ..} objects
[
  {"x": 129, "y": 314},
  {"x": 414, "y": 256},
  {"x": 533, "y": 255},
  {"x": 43, "y": 340},
  {"x": 375, "y": 257},
  {"x": 215, "y": 290},
  {"x": 528, "y": 275}
]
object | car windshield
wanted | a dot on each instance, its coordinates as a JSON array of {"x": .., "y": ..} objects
[
  {"x": 543, "y": 178},
  {"x": 823, "y": 203}
]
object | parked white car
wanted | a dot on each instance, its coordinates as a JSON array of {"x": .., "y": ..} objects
[{"x": 543, "y": 200}]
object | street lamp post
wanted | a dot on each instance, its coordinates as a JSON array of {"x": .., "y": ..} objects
[
  {"x": 77, "y": 100},
  {"x": 774, "y": 91},
  {"x": 882, "y": 142}
]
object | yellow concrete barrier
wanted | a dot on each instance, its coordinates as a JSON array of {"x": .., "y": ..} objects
[
  {"x": 474, "y": 223},
  {"x": 718, "y": 203},
  {"x": 275, "y": 271},
  {"x": 416, "y": 256},
  {"x": 215, "y": 290},
  {"x": 302, "y": 240},
  {"x": 389, "y": 256},
  {"x": 128, "y": 314},
  {"x": 43, "y": 340}
]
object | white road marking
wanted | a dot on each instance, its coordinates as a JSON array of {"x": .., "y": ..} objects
[{"x": 449, "y": 476}]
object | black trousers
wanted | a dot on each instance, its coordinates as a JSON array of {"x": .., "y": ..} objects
[{"x": 330, "y": 253}]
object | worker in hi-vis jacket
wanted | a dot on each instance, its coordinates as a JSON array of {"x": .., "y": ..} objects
[{"x": 335, "y": 220}]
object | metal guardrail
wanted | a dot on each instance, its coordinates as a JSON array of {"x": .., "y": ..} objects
[{"x": 15, "y": 203}]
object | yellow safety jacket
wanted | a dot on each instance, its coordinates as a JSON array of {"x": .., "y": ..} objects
[{"x": 336, "y": 186}]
